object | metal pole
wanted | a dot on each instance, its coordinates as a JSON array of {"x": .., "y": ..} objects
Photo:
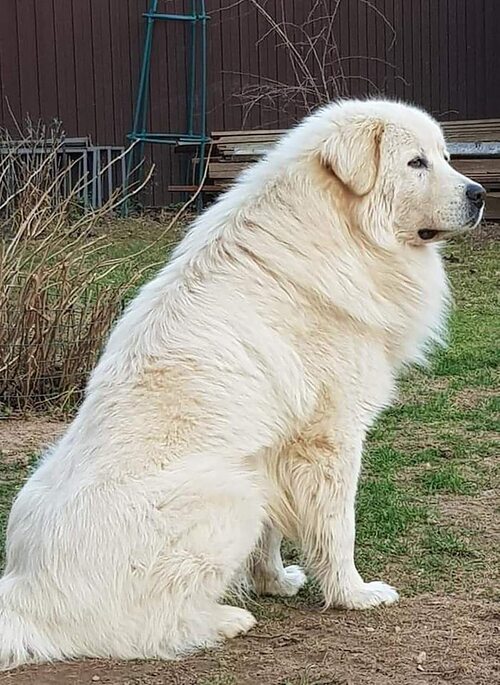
[
  {"x": 191, "y": 85},
  {"x": 203, "y": 89},
  {"x": 141, "y": 108},
  {"x": 192, "y": 71},
  {"x": 139, "y": 124}
]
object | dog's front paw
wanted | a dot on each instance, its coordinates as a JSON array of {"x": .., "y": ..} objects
[
  {"x": 367, "y": 595},
  {"x": 286, "y": 584}
]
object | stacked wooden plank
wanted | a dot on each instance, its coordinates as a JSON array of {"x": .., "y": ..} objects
[
  {"x": 475, "y": 149},
  {"x": 232, "y": 152},
  {"x": 474, "y": 146},
  {"x": 472, "y": 131},
  {"x": 237, "y": 149}
]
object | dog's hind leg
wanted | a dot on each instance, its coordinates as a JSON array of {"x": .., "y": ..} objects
[
  {"x": 213, "y": 523},
  {"x": 269, "y": 576}
]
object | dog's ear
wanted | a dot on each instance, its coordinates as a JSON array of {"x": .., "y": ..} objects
[{"x": 352, "y": 152}]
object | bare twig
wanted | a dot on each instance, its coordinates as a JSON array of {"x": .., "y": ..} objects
[
  {"x": 55, "y": 305},
  {"x": 311, "y": 48}
]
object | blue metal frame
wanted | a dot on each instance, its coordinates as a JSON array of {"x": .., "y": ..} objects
[{"x": 197, "y": 79}]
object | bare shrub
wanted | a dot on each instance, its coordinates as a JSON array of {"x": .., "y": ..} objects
[{"x": 57, "y": 301}]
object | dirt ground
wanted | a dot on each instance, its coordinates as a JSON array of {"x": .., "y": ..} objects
[
  {"x": 425, "y": 640},
  {"x": 20, "y": 439}
]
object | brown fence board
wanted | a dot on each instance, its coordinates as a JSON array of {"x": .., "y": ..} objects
[
  {"x": 103, "y": 74},
  {"x": 28, "y": 62},
  {"x": 46, "y": 59},
  {"x": 9, "y": 73},
  {"x": 65, "y": 66},
  {"x": 491, "y": 58},
  {"x": 86, "y": 65},
  {"x": 122, "y": 81}
]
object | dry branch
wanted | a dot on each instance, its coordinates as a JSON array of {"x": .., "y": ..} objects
[
  {"x": 312, "y": 52},
  {"x": 56, "y": 302}
]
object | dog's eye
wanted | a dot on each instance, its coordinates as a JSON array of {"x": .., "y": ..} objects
[{"x": 418, "y": 163}]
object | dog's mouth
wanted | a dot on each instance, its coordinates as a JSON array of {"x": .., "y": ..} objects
[{"x": 427, "y": 235}]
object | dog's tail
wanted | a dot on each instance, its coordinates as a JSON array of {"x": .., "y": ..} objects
[{"x": 20, "y": 641}]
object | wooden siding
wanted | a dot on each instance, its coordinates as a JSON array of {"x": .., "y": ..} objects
[{"x": 79, "y": 60}]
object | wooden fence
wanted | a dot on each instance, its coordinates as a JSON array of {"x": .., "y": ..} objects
[{"x": 79, "y": 60}]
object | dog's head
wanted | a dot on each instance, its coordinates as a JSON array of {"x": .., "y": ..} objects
[{"x": 391, "y": 161}]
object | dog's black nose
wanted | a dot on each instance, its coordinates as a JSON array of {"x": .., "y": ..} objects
[{"x": 476, "y": 194}]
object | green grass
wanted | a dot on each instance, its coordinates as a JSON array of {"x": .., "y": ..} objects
[
  {"x": 444, "y": 554},
  {"x": 447, "y": 478},
  {"x": 307, "y": 679},
  {"x": 218, "y": 679},
  {"x": 142, "y": 246},
  {"x": 438, "y": 442}
]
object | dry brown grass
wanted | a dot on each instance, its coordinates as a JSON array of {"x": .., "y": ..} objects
[
  {"x": 62, "y": 283},
  {"x": 56, "y": 302}
]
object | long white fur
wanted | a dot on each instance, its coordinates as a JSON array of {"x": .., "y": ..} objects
[{"x": 235, "y": 394}]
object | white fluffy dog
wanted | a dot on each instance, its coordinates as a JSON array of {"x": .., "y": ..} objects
[{"x": 232, "y": 400}]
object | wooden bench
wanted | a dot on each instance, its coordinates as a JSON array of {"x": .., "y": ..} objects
[{"x": 474, "y": 146}]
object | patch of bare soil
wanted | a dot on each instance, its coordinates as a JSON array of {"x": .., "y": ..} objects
[
  {"x": 20, "y": 438},
  {"x": 425, "y": 641},
  {"x": 471, "y": 398},
  {"x": 478, "y": 514},
  {"x": 477, "y": 518},
  {"x": 486, "y": 233}
]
